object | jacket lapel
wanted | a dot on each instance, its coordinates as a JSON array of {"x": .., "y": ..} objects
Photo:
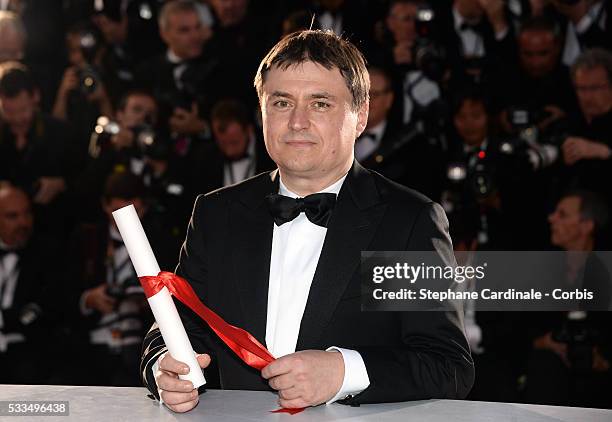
[
  {"x": 251, "y": 234},
  {"x": 353, "y": 224}
]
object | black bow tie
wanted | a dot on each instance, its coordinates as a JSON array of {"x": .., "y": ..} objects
[
  {"x": 476, "y": 27},
  {"x": 318, "y": 207}
]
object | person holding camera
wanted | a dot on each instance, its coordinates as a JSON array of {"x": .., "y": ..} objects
[
  {"x": 37, "y": 152},
  {"x": 570, "y": 352},
  {"x": 587, "y": 151},
  {"x": 82, "y": 95},
  {"x": 107, "y": 298},
  {"x": 134, "y": 141}
]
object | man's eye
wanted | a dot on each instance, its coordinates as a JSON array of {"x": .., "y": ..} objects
[
  {"x": 281, "y": 104},
  {"x": 321, "y": 105}
]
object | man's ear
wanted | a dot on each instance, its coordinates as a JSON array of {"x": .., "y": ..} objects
[
  {"x": 588, "y": 227},
  {"x": 362, "y": 117}
]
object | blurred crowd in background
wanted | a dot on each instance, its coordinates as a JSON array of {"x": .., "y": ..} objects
[{"x": 500, "y": 110}]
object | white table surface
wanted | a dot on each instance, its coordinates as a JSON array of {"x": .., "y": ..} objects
[{"x": 114, "y": 404}]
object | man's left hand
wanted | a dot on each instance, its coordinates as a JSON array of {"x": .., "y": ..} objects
[
  {"x": 49, "y": 188},
  {"x": 306, "y": 378},
  {"x": 187, "y": 122},
  {"x": 575, "y": 149}
]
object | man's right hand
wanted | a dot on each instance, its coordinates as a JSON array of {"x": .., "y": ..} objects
[
  {"x": 178, "y": 395},
  {"x": 97, "y": 299}
]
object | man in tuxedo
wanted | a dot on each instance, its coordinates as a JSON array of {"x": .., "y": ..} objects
[
  {"x": 279, "y": 254},
  {"x": 237, "y": 152},
  {"x": 30, "y": 291}
]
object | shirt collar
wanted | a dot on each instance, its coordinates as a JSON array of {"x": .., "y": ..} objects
[
  {"x": 333, "y": 188},
  {"x": 173, "y": 58}
]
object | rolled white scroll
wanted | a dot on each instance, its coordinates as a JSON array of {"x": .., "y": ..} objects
[{"x": 161, "y": 303}]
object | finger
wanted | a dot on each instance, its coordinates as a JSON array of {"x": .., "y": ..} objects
[
  {"x": 168, "y": 363},
  {"x": 203, "y": 360},
  {"x": 184, "y": 407},
  {"x": 278, "y": 367},
  {"x": 293, "y": 404},
  {"x": 289, "y": 394},
  {"x": 174, "y": 398},
  {"x": 282, "y": 382},
  {"x": 194, "y": 108},
  {"x": 168, "y": 382}
]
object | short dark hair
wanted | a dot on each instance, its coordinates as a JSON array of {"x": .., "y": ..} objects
[
  {"x": 542, "y": 24},
  {"x": 593, "y": 58},
  {"x": 230, "y": 110},
  {"x": 124, "y": 185},
  {"x": 592, "y": 207},
  {"x": 175, "y": 6},
  {"x": 134, "y": 93},
  {"x": 15, "y": 78},
  {"x": 324, "y": 48}
]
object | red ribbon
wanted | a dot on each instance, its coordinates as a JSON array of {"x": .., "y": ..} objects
[{"x": 251, "y": 351}]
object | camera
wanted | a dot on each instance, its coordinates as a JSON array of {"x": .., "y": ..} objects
[
  {"x": 89, "y": 42},
  {"x": 579, "y": 336},
  {"x": 147, "y": 141},
  {"x": 429, "y": 56}
]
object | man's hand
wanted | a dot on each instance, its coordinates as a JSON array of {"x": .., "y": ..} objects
[
  {"x": 178, "y": 395},
  {"x": 186, "y": 122},
  {"x": 494, "y": 9},
  {"x": 546, "y": 342},
  {"x": 97, "y": 299},
  {"x": 555, "y": 113},
  {"x": 49, "y": 188},
  {"x": 402, "y": 53},
  {"x": 70, "y": 81},
  {"x": 306, "y": 378},
  {"x": 123, "y": 139},
  {"x": 575, "y": 149}
]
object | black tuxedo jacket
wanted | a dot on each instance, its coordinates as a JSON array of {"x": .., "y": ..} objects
[{"x": 226, "y": 258}]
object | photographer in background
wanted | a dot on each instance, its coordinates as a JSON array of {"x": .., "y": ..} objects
[
  {"x": 586, "y": 153},
  {"x": 540, "y": 84},
  {"x": 184, "y": 82},
  {"x": 37, "y": 152},
  {"x": 569, "y": 364},
  {"x": 82, "y": 94},
  {"x": 134, "y": 142},
  {"x": 107, "y": 298},
  {"x": 30, "y": 293}
]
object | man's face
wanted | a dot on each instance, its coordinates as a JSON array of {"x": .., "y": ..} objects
[
  {"x": 567, "y": 227},
  {"x": 184, "y": 35},
  {"x": 308, "y": 120},
  {"x": 16, "y": 221},
  {"x": 594, "y": 91},
  {"x": 18, "y": 112},
  {"x": 75, "y": 51},
  {"x": 11, "y": 47},
  {"x": 400, "y": 21},
  {"x": 232, "y": 138},
  {"x": 471, "y": 10},
  {"x": 538, "y": 53},
  {"x": 138, "y": 109},
  {"x": 230, "y": 12},
  {"x": 471, "y": 122},
  {"x": 381, "y": 99}
]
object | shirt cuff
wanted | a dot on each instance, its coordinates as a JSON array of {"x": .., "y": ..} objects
[
  {"x": 355, "y": 374},
  {"x": 154, "y": 369},
  {"x": 84, "y": 309}
]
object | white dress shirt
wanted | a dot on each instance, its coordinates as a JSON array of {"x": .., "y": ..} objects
[
  {"x": 296, "y": 247},
  {"x": 369, "y": 141},
  {"x": 572, "y": 49},
  {"x": 239, "y": 170}
]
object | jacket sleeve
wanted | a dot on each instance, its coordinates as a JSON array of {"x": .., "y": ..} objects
[{"x": 432, "y": 358}]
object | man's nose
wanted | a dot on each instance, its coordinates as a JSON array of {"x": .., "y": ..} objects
[{"x": 299, "y": 118}]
